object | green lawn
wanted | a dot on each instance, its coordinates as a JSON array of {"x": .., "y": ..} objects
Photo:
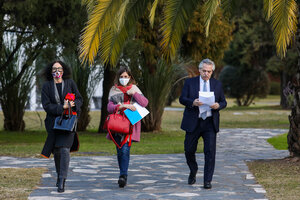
[
  {"x": 262, "y": 114},
  {"x": 30, "y": 143},
  {"x": 279, "y": 142}
]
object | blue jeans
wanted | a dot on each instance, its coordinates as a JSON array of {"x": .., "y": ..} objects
[{"x": 123, "y": 155}]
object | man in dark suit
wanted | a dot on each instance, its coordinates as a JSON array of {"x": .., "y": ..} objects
[{"x": 199, "y": 122}]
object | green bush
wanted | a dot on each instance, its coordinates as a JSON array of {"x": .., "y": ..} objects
[{"x": 244, "y": 84}]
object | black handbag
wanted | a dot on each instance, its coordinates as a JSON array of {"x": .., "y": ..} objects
[{"x": 66, "y": 122}]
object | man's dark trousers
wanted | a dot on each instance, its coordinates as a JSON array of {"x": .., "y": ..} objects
[{"x": 205, "y": 130}]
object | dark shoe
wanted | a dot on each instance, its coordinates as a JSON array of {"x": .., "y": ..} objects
[
  {"x": 122, "y": 181},
  {"x": 207, "y": 185},
  {"x": 61, "y": 185},
  {"x": 192, "y": 179}
]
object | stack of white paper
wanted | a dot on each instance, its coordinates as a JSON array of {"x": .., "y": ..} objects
[{"x": 208, "y": 99}]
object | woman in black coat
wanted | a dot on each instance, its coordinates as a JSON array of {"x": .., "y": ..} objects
[{"x": 60, "y": 143}]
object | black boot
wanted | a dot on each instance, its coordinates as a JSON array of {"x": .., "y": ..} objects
[
  {"x": 61, "y": 185},
  {"x": 122, "y": 181}
]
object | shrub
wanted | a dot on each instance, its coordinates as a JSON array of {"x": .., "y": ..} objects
[
  {"x": 244, "y": 84},
  {"x": 14, "y": 99}
]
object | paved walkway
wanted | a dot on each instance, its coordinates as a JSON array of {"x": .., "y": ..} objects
[{"x": 162, "y": 176}]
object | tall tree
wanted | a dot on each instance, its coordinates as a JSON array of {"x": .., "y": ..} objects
[
  {"x": 285, "y": 69},
  {"x": 14, "y": 100},
  {"x": 130, "y": 21},
  {"x": 248, "y": 54},
  {"x": 33, "y": 25},
  {"x": 284, "y": 16}
]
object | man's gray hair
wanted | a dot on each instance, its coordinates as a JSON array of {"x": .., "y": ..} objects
[{"x": 208, "y": 62}]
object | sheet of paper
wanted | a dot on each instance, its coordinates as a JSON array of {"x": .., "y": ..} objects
[
  {"x": 143, "y": 111},
  {"x": 208, "y": 99},
  {"x": 137, "y": 115}
]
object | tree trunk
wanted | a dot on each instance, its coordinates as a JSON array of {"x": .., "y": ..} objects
[
  {"x": 13, "y": 121},
  {"x": 293, "y": 137},
  {"x": 284, "y": 79},
  {"x": 108, "y": 82},
  {"x": 152, "y": 122}
]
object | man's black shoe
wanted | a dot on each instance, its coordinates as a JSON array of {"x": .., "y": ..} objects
[
  {"x": 192, "y": 179},
  {"x": 207, "y": 185}
]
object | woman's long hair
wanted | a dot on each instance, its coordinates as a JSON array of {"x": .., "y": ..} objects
[
  {"x": 47, "y": 71},
  {"x": 121, "y": 71}
]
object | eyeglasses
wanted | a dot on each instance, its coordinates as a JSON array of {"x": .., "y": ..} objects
[{"x": 60, "y": 69}]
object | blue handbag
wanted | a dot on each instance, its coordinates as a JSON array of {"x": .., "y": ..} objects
[{"x": 66, "y": 122}]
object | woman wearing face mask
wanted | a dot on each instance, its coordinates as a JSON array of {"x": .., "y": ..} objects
[
  {"x": 121, "y": 96},
  {"x": 54, "y": 92}
]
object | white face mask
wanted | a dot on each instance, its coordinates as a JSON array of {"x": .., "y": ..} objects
[{"x": 124, "y": 81}]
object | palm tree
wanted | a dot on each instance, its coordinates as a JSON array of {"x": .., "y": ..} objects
[
  {"x": 112, "y": 22},
  {"x": 285, "y": 18}
]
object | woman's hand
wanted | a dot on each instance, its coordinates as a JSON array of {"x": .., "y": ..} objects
[
  {"x": 72, "y": 103},
  {"x": 130, "y": 92},
  {"x": 128, "y": 106},
  {"x": 66, "y": 104}
]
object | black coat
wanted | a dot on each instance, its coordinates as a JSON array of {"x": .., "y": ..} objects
[
  {"x": 58, "y": 138},
  {"x": 190, "y": 92}
]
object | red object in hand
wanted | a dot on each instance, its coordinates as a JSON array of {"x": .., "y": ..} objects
[{"x": 70, "y": 97}]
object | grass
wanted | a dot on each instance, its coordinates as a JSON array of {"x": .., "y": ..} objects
[
  {"x": 279, "y": 142},
  {"x": 254, "y": 118},
  {"x": 18, "y": 183},
  {"x": 280, "y": 178},
  {"x": 30, "y": 144},
  {"x": 263, "y": 114}
]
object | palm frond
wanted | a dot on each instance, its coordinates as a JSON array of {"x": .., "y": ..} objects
[
  {"x": 152, "y": 12},
  {"x": 112, "y": 44},
  {"x": 89, "y": 4},
  {"x": 268, "y": 8},
  {"x": 116, "y": 35},
  {"x": 230, "y": 6},
  {"x": 99, "y": 19},
  {"x": 175, "y": 21},
  {"x": 121, "y": 16},
  {"x": 284, "y": 24},
  {"x": 210, "y": 8}
]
